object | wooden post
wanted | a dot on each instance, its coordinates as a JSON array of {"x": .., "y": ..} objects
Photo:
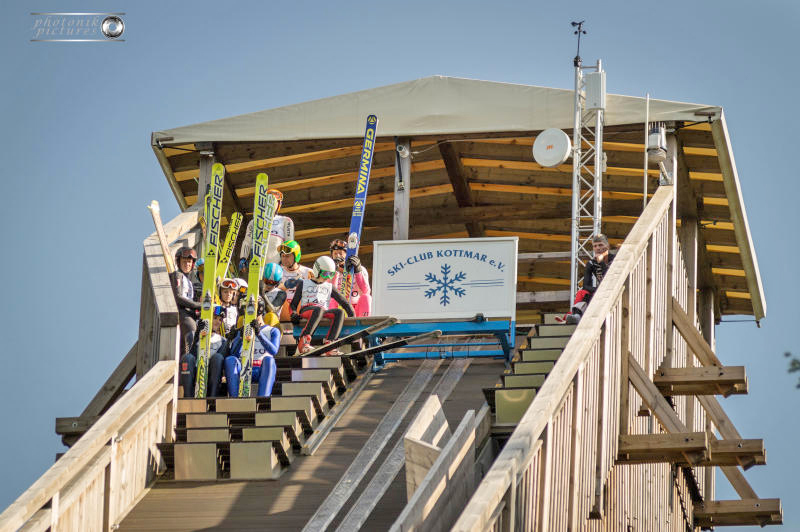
[
  {"x": 625, "y": 348},
  {"x": 707, "y": 324},
  {"x": 402, "y": 188},
  {"x": 671, "y": 167},
  {"x": 207, "y": 160},
  {"x": 688, "y": 242}
]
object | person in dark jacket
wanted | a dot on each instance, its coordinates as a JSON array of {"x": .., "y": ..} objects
[
  {"x": 183, "y": 288},
  {"x": 596, "y": 270}
]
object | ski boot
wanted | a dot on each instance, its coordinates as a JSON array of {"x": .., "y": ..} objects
[
  {"x": 332, "y": 352},
  {"x": 304, "y": 344}
]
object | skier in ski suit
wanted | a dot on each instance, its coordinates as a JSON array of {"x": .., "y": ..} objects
[
  {"x": 264, "y": 351},
  {"x": 282, "y": 230},
  {"x": 312, "y": 301},
  {"x": 293, "y": 272},
  {"x": 594, "y": 273},
  {"x": 183, "y": 289},
  {"x": 360, "y": 293},
  {"x": 226, "y": 290},
  {"x": 274, "y": 293},
  {"x": 219, "y": 350}
]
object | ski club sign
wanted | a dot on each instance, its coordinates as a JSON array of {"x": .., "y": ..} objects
[{"x": 445, "y": 278}]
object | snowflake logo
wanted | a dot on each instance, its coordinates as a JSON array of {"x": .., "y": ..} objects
[{"x": 445, "y": 285}]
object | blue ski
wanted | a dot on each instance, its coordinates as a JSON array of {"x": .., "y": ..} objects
[{"x": 360, "y": 200}]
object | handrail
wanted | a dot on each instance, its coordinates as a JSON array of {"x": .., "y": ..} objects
[
  {"x": 75, "y": 459},
  {"x": 521, "y": 447},
  {"x": 109, "y": 462}
]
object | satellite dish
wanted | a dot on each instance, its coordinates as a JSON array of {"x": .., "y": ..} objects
[{"x": 551, "y": 148}]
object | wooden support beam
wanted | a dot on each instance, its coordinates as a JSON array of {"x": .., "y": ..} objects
[
  {"x": 699, "y": 449},
  {"x": 746, "y": 512},
  {"x": 347, "y": 203},
  {"x": 694, "y": 339},
  {"x": 461, "y": 188},
  {"x": 711, "y": 380},
  {"x": 737, "y": 452},
  {"x": 690, "y": 448},
  {"x": 72, "y": 428},
  {"x": 670, "y": 421}
]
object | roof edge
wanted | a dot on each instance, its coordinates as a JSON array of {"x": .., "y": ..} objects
[{"x": 744, "y": 240}]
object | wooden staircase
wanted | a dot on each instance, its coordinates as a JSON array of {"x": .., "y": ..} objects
[
  {"x": 510, "y": 397},
  {"x": 258, "y": 437}
]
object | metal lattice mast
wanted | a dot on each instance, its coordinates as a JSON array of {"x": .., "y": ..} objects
[{"x": 587, "y": 161}]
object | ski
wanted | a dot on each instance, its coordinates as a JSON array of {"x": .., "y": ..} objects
[
  {"x": 209, "y": 278},
  {"x": 230, "y": 242},
  {"x": 263, "y": 213},
  {"x": 363, "y": 333},
  {"x": 393, "y": 345},
  {"x": 360, "y": 200},
  {"x": 155, "y": 210}
]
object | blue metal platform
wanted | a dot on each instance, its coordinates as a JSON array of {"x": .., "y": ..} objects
[{"x": 502, "y": 330}]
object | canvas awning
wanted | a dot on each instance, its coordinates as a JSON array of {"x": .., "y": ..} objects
[{"x": 310, "y": 151}]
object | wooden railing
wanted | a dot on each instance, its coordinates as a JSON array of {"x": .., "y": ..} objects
[
  {"x": 97, "y": 482},
  {"x": 556, "y": 472}
]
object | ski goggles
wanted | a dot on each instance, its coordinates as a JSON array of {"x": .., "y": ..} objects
[
  {"x": 338, "y": 244},
  {"x": 285, "y": 250},
  {"x": 188, "y": 254},
  {"x": 268, "y": 282},
  {"x": 326, "y": 275},
  {"x": 229, "y": 283},
  {"x": 220, "y": 311}
]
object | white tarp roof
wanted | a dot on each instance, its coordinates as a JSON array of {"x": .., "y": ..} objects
[{"x": 427, "y": 106}]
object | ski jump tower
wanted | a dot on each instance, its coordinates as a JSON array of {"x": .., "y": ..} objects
[{"x": 617, "y": 423}]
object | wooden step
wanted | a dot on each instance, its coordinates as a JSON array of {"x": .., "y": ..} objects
[
  {"x": 314, "y": 390},
  {"x": 540, "y": 355},
  {"x": 301, "y": 404},
  {"x": 548, "y": 342},
  {"x": 511, "y": 403},
  {"x": 549, "y": 318},
  {"x": 523, "y": 381},
  {"x": 555, "y": 330},
  {"x": 527, "y": 368}
]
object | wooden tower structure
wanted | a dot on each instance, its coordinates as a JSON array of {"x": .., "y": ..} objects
[{"x": 613, "y": 424}]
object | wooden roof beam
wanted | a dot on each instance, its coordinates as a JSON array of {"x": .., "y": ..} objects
[{"x": 461, "y": 189}]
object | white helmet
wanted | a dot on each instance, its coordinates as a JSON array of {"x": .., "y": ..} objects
[{"x": 324, "y": 268}]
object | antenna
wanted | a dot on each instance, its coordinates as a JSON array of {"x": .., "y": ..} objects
[
  {"x": 580, "y": 31},
  {"x": 588, "y": 159}
]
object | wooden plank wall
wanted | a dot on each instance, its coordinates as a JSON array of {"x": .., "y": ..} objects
[{"x": 568, "y": 480}]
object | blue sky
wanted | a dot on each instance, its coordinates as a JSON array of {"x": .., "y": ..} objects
[{"x": 80, "y": 170}]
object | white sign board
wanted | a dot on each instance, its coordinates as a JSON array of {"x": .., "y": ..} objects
[{"x": 445, "y": 279}]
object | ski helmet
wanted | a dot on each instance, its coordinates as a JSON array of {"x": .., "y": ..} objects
[
  {"x": 186, "y": 253},
  {"x": 324, "y": 268},
  {"x": 338, "y": 243},
  {"x": 242, "y": 284},
  {"x": 278, "y": 196},
  {"x": 291, "y": 246},
  {"x": 273, "y": 273}
]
